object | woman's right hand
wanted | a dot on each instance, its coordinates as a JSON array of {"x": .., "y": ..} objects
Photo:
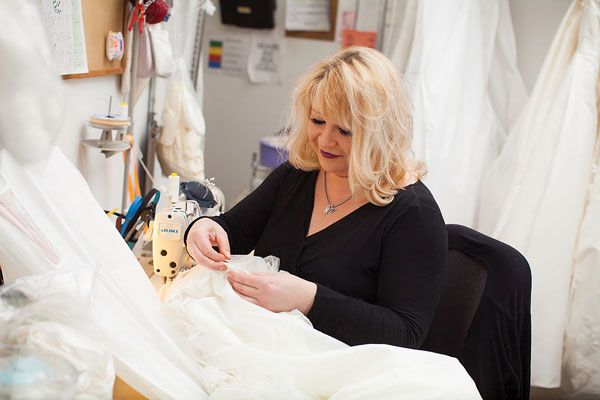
[{"x": 203, "y": 235}]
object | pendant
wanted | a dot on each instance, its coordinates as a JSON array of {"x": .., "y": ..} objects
[{"x": 329, "y": 209}]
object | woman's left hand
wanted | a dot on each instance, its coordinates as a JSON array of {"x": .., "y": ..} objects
[{"x": 275, "y": 291}]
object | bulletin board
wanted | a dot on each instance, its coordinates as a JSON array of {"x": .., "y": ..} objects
[
  {"x": 99, "y": 17},
  {"x": 329, "y": 35}
]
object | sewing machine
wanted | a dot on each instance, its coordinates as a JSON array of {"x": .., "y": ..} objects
[{"x": 169, "y": 254}]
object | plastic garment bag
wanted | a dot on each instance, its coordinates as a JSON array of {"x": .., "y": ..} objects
[
  {"x": 253, "y": 353},
  {"x": 180, "y": 146},
  {"x": 124, "y": 307},
  {"x": 535, "y": 192},
  {"x": 465, "y": 87},
  {"x": 49, "y": 349}
]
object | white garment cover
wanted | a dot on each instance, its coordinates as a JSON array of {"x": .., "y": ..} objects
[
  {"x": 466, "y": 90},
  {"x": 535, "y": 192}
]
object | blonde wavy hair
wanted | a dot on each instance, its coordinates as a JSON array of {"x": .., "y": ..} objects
[{"x": 362, "y": 90}]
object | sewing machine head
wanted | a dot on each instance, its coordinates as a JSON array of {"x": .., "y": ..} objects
[{"x": 169, "y": 254}]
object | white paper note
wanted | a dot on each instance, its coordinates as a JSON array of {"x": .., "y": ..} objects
[
  {"x": 307, "y": 15},
  {"x": 64, "y": 22}
]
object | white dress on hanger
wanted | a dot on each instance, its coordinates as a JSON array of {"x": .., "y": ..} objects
[
  {"x": 582, "y": 342},
  {"x": 466, "y": 89},
  {"x": 534, "y": 194}
]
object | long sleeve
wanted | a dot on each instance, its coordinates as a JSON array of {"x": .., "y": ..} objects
[{"x": 409, "y": 282}]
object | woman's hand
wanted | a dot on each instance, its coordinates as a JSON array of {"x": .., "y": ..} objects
[
  {"x": 203, "y": 235},
  {"x": 275, "y": 291}
]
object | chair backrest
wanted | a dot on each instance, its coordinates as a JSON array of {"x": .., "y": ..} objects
[
  {"x": 465, "y": 282},
  {"x": 483, "y": 317}
]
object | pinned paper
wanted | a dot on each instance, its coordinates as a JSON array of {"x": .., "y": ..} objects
[
  {"x": 228, "y": 53},
  {"x": 264, "y": 59}
]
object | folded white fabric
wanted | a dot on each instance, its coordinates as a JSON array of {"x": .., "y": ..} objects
[{"x": 253, "y": 353}]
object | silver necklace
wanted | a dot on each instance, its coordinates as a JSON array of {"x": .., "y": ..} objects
[{"x": 331, "y": 208}]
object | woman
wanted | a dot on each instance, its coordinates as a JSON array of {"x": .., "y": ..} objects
[{"x": 361, "y": 236}]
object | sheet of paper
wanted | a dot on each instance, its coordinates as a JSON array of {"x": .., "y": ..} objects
[
  {"x": 264, "y": 58},
  {"x": 64, "y": 22},
  {"x": 228, "y": 53},
  {"x": 307, "y": 15}
]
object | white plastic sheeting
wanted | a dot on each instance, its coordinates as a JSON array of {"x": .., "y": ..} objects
[
  {"x": 44, "y": 320},
  {"x": 124, "y": 306},
  {"x": 466, "y": 91},
  {"x": 536, "y": 192}
]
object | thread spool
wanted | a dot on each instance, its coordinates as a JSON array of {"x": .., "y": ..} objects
[{"x": 173, "y": 188}]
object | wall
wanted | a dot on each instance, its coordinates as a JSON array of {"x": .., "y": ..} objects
[
  {"x": 238, "y": 113},
  {"x": 535, "y": 23},
  {"x": 90, "y": 96}
]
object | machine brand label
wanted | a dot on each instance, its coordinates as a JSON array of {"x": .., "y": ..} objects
[{"x": 171, "y": 232}]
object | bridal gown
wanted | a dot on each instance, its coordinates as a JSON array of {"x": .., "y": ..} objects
[
  {"x": 466, "y": 91},
  {"x": 581, "y": 360},
  {"x": 535, "y": 193}
]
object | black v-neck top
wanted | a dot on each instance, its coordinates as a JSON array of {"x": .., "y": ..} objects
[{"x": 379, "y": 270}]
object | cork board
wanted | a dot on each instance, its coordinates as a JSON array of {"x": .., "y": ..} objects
[
  {"x": 99, "y": 17},
  {"x": 329, "y": 35}
]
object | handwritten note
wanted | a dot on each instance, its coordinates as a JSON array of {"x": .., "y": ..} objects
[{"x": 64, "y": 23}]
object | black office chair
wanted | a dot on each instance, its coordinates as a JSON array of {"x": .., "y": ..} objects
[{"x": 483, "y": 317}]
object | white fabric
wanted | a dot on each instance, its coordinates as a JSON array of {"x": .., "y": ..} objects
[
  {"x": 464, "y": 86},
  {"x": 399, "y": 36},
  {"x": 257, "y": 354},
  {"x": 582, "y": 343},
  {"x": 535, "y": 192},
  {"x": 32, "y": 92}
]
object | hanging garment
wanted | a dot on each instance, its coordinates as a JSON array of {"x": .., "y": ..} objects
[
  {"x": 582, "y": 342},
  {"x": 253, "y": 353},
  {"x": 535, "y": 192},
  {"x": 399, "y": 36},
  {"x": 180, "y": 144},
  {"x": 465, "y": 87}
]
